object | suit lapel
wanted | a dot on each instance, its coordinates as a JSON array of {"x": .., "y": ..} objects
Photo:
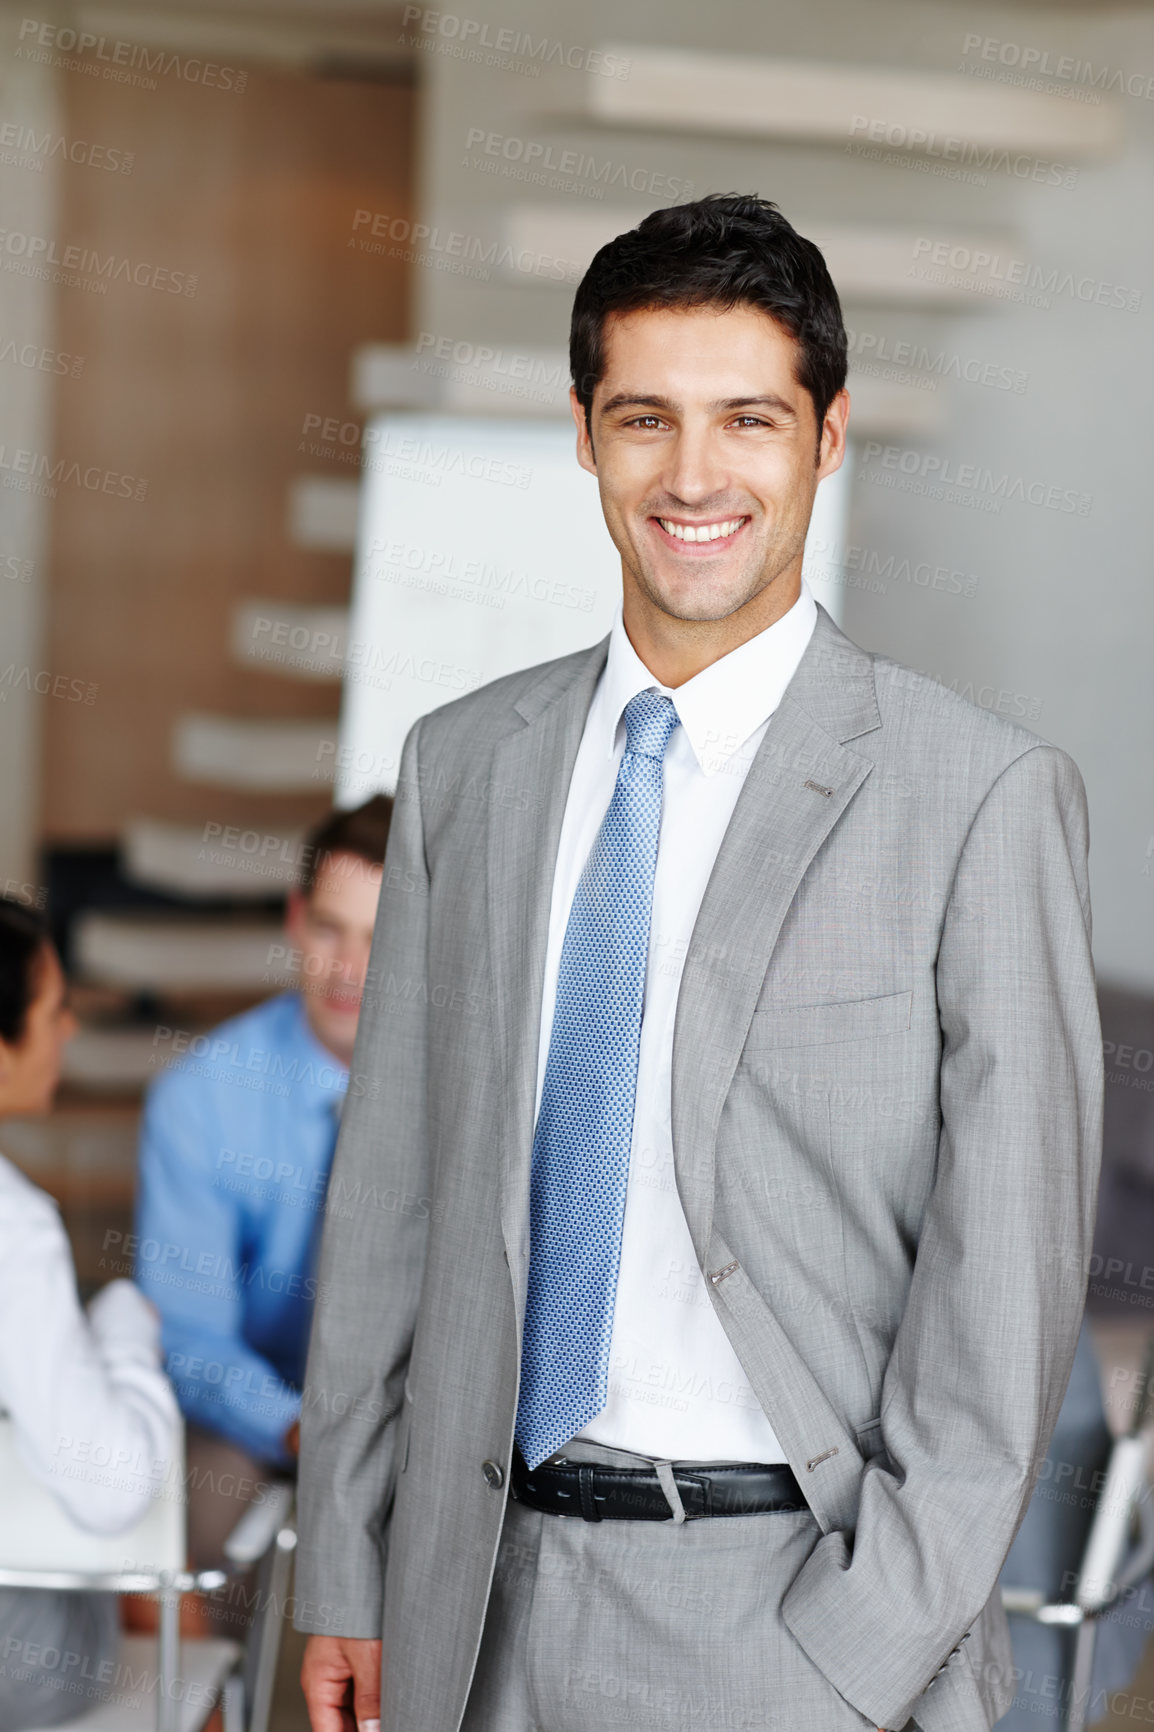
[
  {"x": 800, "y": 782},
  {"x": 532, "y": 767}
]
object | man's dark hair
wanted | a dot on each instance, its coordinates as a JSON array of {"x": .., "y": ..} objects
[
  {"x": 24, "y": 941},
  {"x": 724, "y": 251},
  {"x": 362, "y": 830}
]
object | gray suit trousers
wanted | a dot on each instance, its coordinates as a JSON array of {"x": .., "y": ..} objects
[{"x": 648, "y": 1624}]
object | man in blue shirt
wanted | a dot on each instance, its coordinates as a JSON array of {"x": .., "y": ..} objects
[{"x": 237, "y": 1138}]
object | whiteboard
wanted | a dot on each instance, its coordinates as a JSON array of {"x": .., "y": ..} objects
[{"x": 481, "y": 549}]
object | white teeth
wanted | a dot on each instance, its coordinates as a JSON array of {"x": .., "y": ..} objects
[{"x": 701, "y": 531}]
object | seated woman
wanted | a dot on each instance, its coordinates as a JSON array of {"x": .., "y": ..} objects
[{"x": 78, "y": 1388}]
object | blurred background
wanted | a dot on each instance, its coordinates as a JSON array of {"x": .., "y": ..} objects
[{"x": 233, "y": 238}]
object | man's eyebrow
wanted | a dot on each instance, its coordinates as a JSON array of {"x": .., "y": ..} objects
[
  {"x": 636, "y": 400},
  {"x": 768, "y": 401},
  {"x": 633, "y": 400}
]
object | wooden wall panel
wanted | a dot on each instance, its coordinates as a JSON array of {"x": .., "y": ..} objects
[{"x": 203, "y": 396}]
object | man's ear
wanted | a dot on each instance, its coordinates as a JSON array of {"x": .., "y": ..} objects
[
  {"x": 834, "y": 431},
  {"x": 585, "y": 453}
]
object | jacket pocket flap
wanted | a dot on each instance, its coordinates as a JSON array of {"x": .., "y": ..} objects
[{"x": 817, "y": 1024}]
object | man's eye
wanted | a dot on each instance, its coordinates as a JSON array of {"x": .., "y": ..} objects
[
  {"x": 646, "y": 421},
  {"x": 750, "y": 421}
]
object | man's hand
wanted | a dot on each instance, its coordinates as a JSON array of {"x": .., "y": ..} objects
[
  {"x": 341, "y": 1679},
  {"x": 291, "y": 1441}
]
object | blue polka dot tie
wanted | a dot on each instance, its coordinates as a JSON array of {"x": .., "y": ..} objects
[{"x": 585, "y": 1125}]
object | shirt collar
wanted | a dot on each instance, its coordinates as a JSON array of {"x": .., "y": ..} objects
[{"x": 725, "y": 703}]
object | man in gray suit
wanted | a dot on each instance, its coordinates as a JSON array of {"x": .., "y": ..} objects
[{"x": 728, "y": 1188}]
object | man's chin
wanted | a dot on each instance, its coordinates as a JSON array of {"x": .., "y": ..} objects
[{"x": 700, "y": 602}]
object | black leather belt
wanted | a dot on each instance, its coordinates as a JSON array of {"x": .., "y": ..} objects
[{"x": 599, "y": 1493}]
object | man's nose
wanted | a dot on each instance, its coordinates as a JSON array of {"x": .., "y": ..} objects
[{"x": 696, "y": 473}]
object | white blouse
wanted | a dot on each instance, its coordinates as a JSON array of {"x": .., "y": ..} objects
[{"x": 94, "y": 1415}]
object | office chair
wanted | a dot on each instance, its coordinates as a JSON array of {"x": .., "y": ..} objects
[
  {"x": 42, "y": 1548},
  {"x": 1117, "y": 1550}
]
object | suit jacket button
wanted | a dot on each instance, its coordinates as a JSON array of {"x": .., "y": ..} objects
[{"x": 494, "y": 1474}]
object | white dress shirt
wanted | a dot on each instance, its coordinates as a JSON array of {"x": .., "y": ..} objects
[
  {"x": 676, "y": 1387},
  {"x": 94, "y": 1415}
]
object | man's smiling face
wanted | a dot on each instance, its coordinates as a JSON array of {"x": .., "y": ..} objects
[{"x": 705, "y": 449}]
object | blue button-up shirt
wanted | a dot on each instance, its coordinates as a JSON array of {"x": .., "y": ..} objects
[{"x": 236, "y": 1145}]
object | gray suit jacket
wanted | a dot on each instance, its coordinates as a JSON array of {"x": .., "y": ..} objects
[{"x": 886, "y": 1127}]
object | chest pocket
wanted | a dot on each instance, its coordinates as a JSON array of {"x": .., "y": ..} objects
[{"x": 823, "y": 1024}]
